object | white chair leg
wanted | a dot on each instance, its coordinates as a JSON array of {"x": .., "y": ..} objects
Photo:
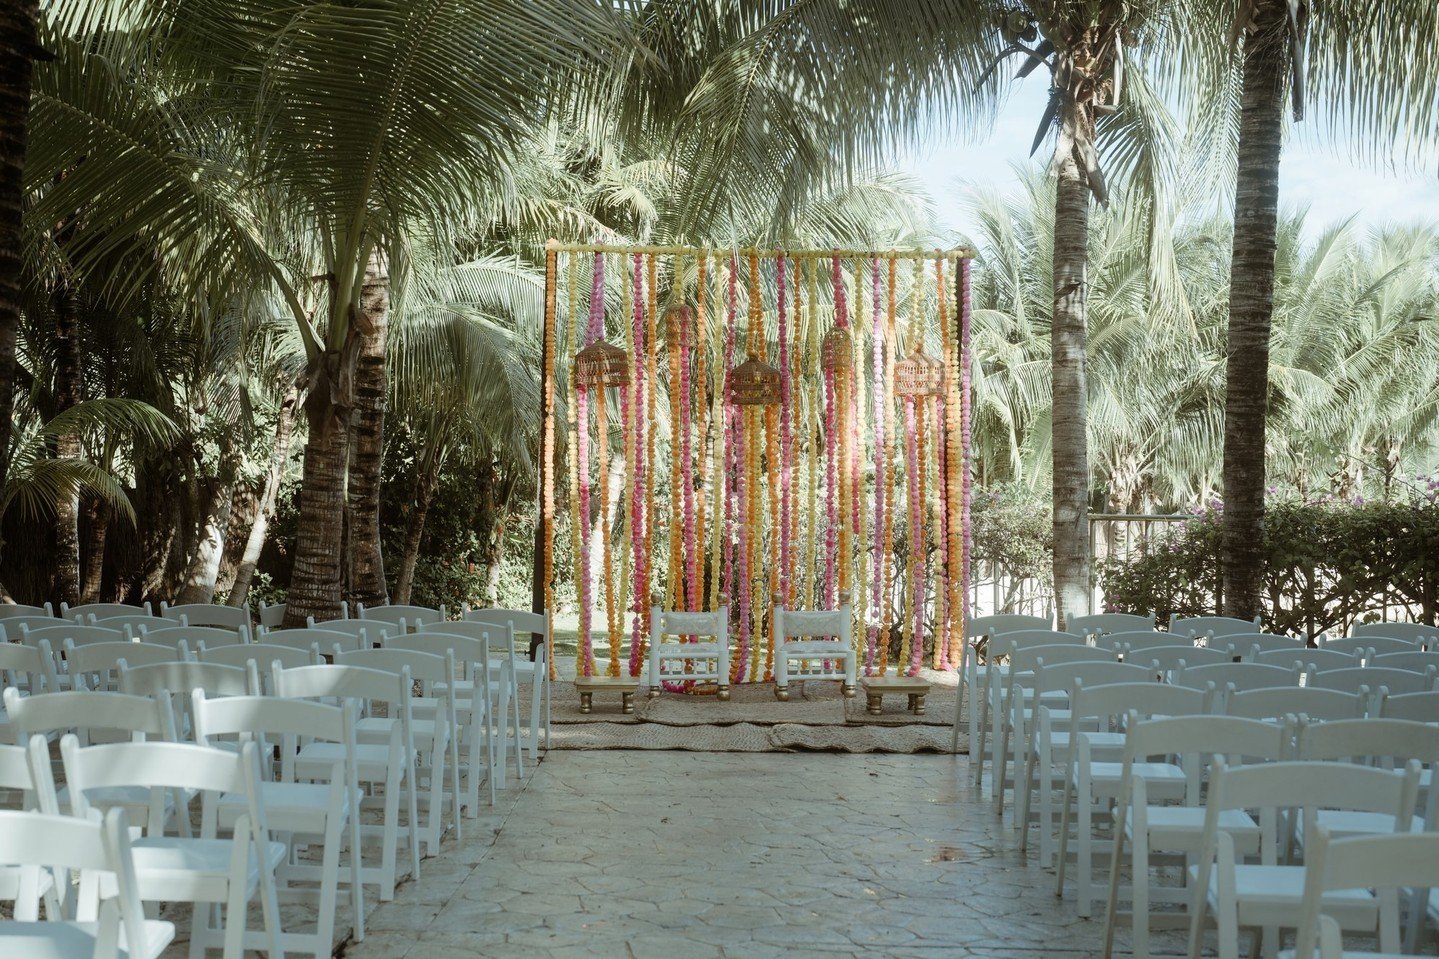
[{"x": 536, "y": 692}]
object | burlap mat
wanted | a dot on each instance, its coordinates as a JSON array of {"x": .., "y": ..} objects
[
  {"x": 816, "y": 717},
  {"x": 752, "y": 738}
]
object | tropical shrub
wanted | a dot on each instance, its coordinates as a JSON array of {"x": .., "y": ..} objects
[{"x": 1327, "y": 564}]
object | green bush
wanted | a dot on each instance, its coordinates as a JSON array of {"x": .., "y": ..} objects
[{"x": 1327, "y": 565}]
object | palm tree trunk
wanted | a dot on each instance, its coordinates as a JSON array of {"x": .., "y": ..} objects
[
  {"x": 204, "y": 566},
  {"x": 367, "y": 451},
  {"x": 17, "y": 47},
  {"x": 255, "y": 542},
  {"x": 68, "y": 391},
  {"x": 1069, "y": 442},
  {"x": 1251, "y": 308},
  {"x": 415, "y": 529},
  {"x": 97, "y": 526},
  {"x": 315, "y": 579}
]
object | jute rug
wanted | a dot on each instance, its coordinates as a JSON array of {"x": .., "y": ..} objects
[{"x": 816, "y": 717}]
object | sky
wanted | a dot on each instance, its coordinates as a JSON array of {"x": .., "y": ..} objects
[{"x": 1317, "y": 171}]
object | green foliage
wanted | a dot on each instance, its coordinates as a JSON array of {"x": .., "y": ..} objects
[
  {"x": 1011, "y": 528},
  {"x": 1327, "y": 565}
]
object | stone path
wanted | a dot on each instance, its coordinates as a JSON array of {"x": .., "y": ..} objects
[{"x": 676, "y": 855}]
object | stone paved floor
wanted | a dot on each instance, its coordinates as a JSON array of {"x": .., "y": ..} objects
[{"x": 674, "y": 855}]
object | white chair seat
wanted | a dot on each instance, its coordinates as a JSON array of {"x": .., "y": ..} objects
[
  {"x": 372, "y": 762},
  {"x": 821, "y": 648},
  {"x": 376, "y": 728},
  {"x": 1181, "y": 828},
  {"x": 192, "y": 870},
  {"x": 1270, "y": 895},
  {"x": 1104, "y": 741},
  {"x": 289, "y": 807},
  {"x": 108, "y": 797},
  {"x": 1163, "y": 778},
  {"x": 74, "y": 940},
  {"x": 1344, "y": 822},
  {"x": 688, "y": 650}
]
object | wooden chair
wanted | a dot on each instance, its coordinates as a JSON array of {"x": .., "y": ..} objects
[
  {"x": 814, "y": 644},
  {"x": 706, "y": 660}
]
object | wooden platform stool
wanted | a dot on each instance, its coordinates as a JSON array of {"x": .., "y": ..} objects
[
  {"x": 877, "y": 687},
  {"x": 626, "y": 686}
]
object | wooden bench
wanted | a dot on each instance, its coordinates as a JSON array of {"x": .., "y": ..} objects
[{"x": 877, "y": 687}]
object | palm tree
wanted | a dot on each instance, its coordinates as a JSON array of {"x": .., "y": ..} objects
[
  {"x": 18, "y": 48},
  {"x": 1374, "y": 64}
]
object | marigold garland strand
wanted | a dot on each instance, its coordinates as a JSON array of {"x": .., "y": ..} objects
[
  {"x": 891, "y": 494},
  {"x": 547, "y": 451},
  {"x": 876, "y": 614}
]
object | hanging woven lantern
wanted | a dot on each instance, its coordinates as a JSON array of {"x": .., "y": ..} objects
[
  {"x": 602, "y": 364},
  {"x": 754, "y": 383},
  {"x": 918, "y": 375},
  {"x": 676, "y": 319},
  {"x": 836, "y": 352}
]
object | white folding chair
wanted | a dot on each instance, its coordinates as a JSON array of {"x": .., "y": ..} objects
[
  {"x": 1420, "y": 707},
  {"x": 96, "y": 667},
  {"x": 1413, "y": 661},
  {"x": 172, "y": 683},
  {"x": 1102, "y": 623},
  {"x": 193, "y": 636},
  {"x": 999, "y": 650},
  {"x": 1015, "y": 703},
  {"x": 1250, "y": 645},
  {"x": 474, "y": 699},
  {"x": 1376, "y": 682},
  {"x": 972, "y": 678},
  {"x": 1092, "y": 781},
  {"x": 36, "y": 842},
  {"x": 534, "y": 671},
  {"x": 1177, "y": 829},
  {"x": 1216, "y": 626},
  {"x": 131, "y": 623},
  {"x": 1420, "y": 634},
  {"x": 1047, "y": 737},
  {"x": 1308, "y": 660},
  {"x": 503, "y": 684},
  {"x": 1236, "y": 677},
  {"x": 29, "y": 669},
  {"x": 389, "y": 766},
  {"x": 1380, "y": 865},
  {"x": 327, "y": 640},
  {"x": 435, "y": 738},
  {"x": 1304, "y": 703},
  {"x": 272, "y": 617},
  {"x": 73, "y": 633},
  {"x": 401, "y": 615},
  {"x": 232, "y": 618},
  {"x": 25, "y": 776},
  {"x": 1267, "y": 895},
  {"x": 814, "y": 644},
  {"x": 364, "y": 634},
  {"x": 1169, "y": 661},
  {"x": 700, "y": 652},
  {"x": 258, "y": 658},
  {"x": 1387, "y": 743},
  {"x": 323, "y": 809},
  {"x": 207, "y": 871},
  {"x": 1366, "y": 647},
  {"x": 12, "y": 630},
  {"x": 10, "y": 611},
  {"x": 83, "y": 613},
  {"x": 1141, "y": 640}
]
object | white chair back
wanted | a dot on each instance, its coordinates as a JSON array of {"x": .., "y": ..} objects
[
  {"x": 1309, "y": 660},
  {"x": 96, "y": 666},
  {"x": 1366, "y": 647},
  {"x": 1005, "y": 623},
  {"x": 30, "y": 668},
  {"x": 232, "y": 618},
  {"x": 1167, "y": 660},
  {"x": 13, "y": 610},
  {"x": 1110, "y": 623},
  {"x": 102, "y": 610},
  {"x": 1395, "y": 682},
  {"x": 132, "y": 623},
  {"x": 1142, "y": 639},
  {"x": 94, "y": 716},
  {"x": 1384, "y": 864},
  {"x": 401, "y": 614},
  {"x": 272, "y": 617},
  {"x": 73, "y": 633},
  {"x": 193, "y": 636},
  {"x": 1421, "y": 634},
  {"x": 363, "y": 634},
  {"x": 306, "y": 638},
  {"x": 1237, "y": 676},
  {"x": 1211, "y": 625},
  {"x": 1250, "y": 645},
  {"x": 1416, "y": 662},
  {"x": 12, "y": 630},
  {"x": 1304, "y": 703},
  {"x": 1420, "y": 707}
]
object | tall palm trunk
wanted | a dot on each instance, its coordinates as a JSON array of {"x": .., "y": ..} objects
[
  {"x": 204, "y": 566},
  {"x": 1251, "y": 307},
  {"x": 68, "y": 391},
  {"x": 97, "y": 527},
  {"x": 255, "y": 542},
  {"x": 429, "y": 474},
  {"x": 367, "y": 451},
  {"x": 17, "y": 47},
  {"x": 1069, "y": 442},
  {"x": 315, "y": 579}
]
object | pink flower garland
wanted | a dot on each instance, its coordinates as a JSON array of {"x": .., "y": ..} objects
[
  {"x": 941, "y": 594},
  {"x": 966, "y": 492},
  {"x": 735, "y": 453},
  {"x": 594, "y": 331},
  {"x": 638, "y": 520},
  {"x": 687, "y": 478},
  {"x": 831, "y": 507},
  {"x": 916, "y": 547},
  {"x": 876, "y": 592}
]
